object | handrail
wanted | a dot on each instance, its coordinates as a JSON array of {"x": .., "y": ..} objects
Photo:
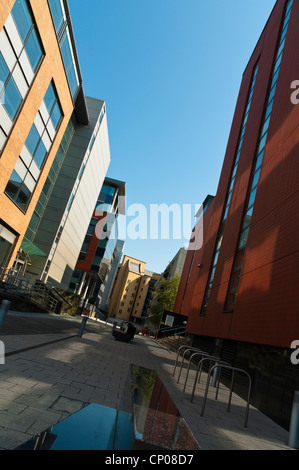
[
  {"x": 32, "y": 291},
  {"x": 234, "y": 369},
  {"x": 170, "y": 328},
  {"x": 210, "y": 359}
]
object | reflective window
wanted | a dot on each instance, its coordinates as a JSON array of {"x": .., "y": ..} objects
[
  {"x": 11, "y": 98},
  {"x": 30, "y": 171},
  {"x": 22, "y": 18},
  {"x": 32, "y": 139},
  {"x": 13, "y": 89},
  {"x": 57, "y": 14},
  {"x": 33, "y": 50},
  {"x": 13, "y": 185},
  {"x": 235, "y": 277},
  {"x": 229, "y": 194},
  {"x": 50, "y": 98},
  {"x": 40, "y": 154},
  {"x": 66, "y": 51},
  {"x": 4, "y": 71},
  {"x": 72, "y": 79},
  {"x": 18, "y": 191},
  {"x": 23, "y": 197},
  {"x": 56, "y": 115}
]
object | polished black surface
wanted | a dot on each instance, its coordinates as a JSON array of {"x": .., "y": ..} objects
[
  {"x": 95, "y": 427},
  {"x": 157, "y": 421}
]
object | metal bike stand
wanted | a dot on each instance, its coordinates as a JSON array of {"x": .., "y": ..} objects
[
  {"x": 183, "y": 358},
  {"x": 234, "y": 369},
  {"x": 199, "y": 368},
  {"x": 178, "y": 353},
  {"x": 203, "y": 354}
]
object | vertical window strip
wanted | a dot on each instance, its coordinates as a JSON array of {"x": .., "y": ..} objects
[
  {"x": 48, "y": 186},
  {"x": 228, "y": 197},
  {"x": 24, "y": 178},
  {"x": 63, "y": 37},
  {"x": 236, "y": 270},
  {"x": 28, "y": 48}
]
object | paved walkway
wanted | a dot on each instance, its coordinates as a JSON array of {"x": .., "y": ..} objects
[{"x": 47, "y": 377}]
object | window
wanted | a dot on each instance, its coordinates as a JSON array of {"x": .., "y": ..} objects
[
  {"x": 24, "y": 60},
  {"x": 82, "y": 257},
  {"x": 86, "y": 243},
  {"x": 17, "y": 190},
  {"x": 33, "y": 50},
  {"x": 14, "y": 184},
  {"x": 239, "y": 257},
  {"x": 62, "y": 32},
  {"x": 32, "y": 139},
  {"x": 33, "y": 155},
  {"x": 81, "y": 172},
  {"x": 4, "y": 70},
  {"x": 228, "y": 196},
  {"x": 53, "y": 106},
  {"x": 22, "y": 18},
  {"x": 11, "y": 99},
  {"x": 57, "y": 15}
]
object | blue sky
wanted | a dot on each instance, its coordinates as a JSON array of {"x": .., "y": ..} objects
[{"x": 169, "y": 72}]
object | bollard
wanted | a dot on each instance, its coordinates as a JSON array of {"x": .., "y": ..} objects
[
  {"x": 294, "y": 424},
  {"x": 3, "y": 310},
  {"x": 84, "y": 320},
  {"x": 215, "y": 376}
]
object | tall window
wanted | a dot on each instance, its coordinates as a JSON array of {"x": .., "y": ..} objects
[
  {"x": 20, "y": 55},
  {"x": 48, "y": 186},
  {"x": 37, "y": 146},
  {"x": 239, "y": 258},
  {"x": 63, "y": 36},
  {"x": 228, "y": 197}
]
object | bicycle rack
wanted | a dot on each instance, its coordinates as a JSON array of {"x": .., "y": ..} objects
[
  {"x": 183, "y": 358},
  {"x": 234, "y": 369},
  {"x": 178, "y": 353},
  {"x": 215, "y": 359},
  {"x": 203, "y": 354}
]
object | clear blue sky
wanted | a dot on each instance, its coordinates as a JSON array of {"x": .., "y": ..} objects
[{"x": 169, "y": 72}]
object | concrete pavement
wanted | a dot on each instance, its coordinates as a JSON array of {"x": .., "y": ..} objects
[{"x": 50, "y": 373}]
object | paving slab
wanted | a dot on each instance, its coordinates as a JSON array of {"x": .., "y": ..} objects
[{"x": 40, "y": 386}]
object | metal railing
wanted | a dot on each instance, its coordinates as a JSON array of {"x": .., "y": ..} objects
[
  {"x": 211, "y": 359},
  {"x": 233, "y": 369},
  {"x": 23, "y": 288},
  {"x": 205, "y": 357},
  {"x": 187, "y": 349},
  {"x": 170, "y": 330}
]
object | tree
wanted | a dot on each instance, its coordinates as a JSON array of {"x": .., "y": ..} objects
[{"x": 164, "y": 296}]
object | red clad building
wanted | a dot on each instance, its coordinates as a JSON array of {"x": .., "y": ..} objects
[{"x": 240, "y": 290}]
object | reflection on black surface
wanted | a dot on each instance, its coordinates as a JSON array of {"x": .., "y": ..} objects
[
  {"x": 95, "y": 427},
  {"x": 157, "y": 421}
]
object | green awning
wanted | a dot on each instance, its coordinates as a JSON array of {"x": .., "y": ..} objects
[{"x": 31, "y": 249}]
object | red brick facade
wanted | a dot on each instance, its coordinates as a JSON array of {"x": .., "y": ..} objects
[{"x": 267, "y": 306}]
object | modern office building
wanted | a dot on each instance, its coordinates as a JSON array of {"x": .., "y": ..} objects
[
  {"x": 240, "y": 289},
  {"x": 101, "y": 250},
  {"x": 130, "y": 291},
  {"x": 37, "y": 98},
  {"x": 54, "y": 145},
  {"x": 62, "y": 215},
  {"x": 176, "y": 265}
]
